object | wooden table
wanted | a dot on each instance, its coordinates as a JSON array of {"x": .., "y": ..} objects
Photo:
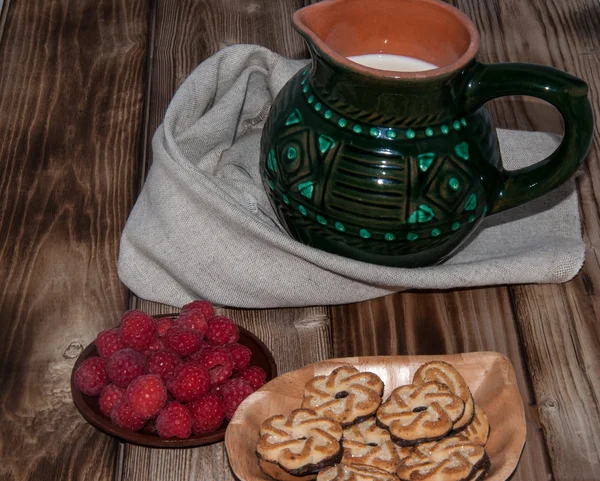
[{"x": 83, "y": 86}]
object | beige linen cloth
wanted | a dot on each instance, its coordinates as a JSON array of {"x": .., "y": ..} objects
[{"x": 203, "y": 227}]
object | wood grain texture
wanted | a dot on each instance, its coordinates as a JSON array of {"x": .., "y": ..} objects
[
  {"x": 558, "y": 323},
  {"x": 73, "y": 83},
  {"x": 71, "y": 103},
  {"x": 443, "y": 323}
]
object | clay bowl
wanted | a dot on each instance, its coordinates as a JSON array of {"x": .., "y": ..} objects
[
  {"x": 89, "y": 409},
  {"x": 489, "y": 375}
]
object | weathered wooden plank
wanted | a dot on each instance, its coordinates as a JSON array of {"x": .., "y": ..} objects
[{"x": 71, "y": 103}]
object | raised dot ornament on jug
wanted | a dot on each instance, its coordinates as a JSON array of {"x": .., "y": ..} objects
[{"x": 381, "y": 150}]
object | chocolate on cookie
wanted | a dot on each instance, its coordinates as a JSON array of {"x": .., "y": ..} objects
[
  {"x": 275, "y": 472},
  {"x": 300, "y": 443},
  {"x": 347, "y": 395},
  {"x": 418, "y": 413}
]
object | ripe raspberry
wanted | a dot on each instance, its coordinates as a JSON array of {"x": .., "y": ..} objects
[
  {"x": 157, "y": 345},
  {"x": 163, "y": 325},
  {"x": 234, "y": 392},
  {"x": 222, "y": 331},
  {"x": 218, "y": 362},
  {"x": 189, "y": 382},
  {"x": 137, "y": 330},
  {"x": 123, "y": 416},
  {"x": 91, "y": 377},
  {"x": 110, "y": 396},
  {"x": 124, "y": 366},
  {"x": 163, "y": 363},
  {"x": 174, "y": 421},
  {"x": 193, "y": 319},
  {"x": 146, "y": 395},
  {"x": 207, "y": 413},
  {"x": 183, "y": 341},
  {"x": 204, "y": 306},
  {"x": 240, "y": 354},
  {"x": 254, "y": 375},
  {"x": 108, "y": 342}
]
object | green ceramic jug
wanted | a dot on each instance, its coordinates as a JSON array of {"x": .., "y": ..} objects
[{"x": 399, "y": 168}]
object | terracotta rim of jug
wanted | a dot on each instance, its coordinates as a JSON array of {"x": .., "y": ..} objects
[{"x": 448, "y": 22}]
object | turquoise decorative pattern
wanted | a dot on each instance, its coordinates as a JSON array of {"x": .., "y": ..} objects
[
  {"x": 325, "y": 143},
  {"x": 377, "y": 131},
  {"x": 294, "y": 118},
  {"x": 425, "y": 161},
  {"x": 471, "y": 202},
  {"x": 423, "y": 214},
  {"x": 306, "y": 189},
  {"x": 292, "y": 153},
  {"x": 370, "y": 187},
  {"x": 462, "y": 150},
  {"x": 271, "y": 161},
  {"x": 454, "y": 183}
]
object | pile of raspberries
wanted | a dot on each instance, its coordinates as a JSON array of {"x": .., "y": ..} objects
[{"x": 171, "y": 377}]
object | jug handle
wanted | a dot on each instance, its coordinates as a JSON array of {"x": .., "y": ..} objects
[{"x": 567, "y": 93}]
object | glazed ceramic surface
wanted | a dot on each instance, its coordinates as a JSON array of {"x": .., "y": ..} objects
[{"x": 399, "y": 168}]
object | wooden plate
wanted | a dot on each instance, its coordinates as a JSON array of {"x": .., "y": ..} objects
[
  {"x": 490, "y": 376},
  {"x": 89, "y": 409}
]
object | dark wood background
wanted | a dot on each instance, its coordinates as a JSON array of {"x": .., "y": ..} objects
[{"x": 83, "y": 86}]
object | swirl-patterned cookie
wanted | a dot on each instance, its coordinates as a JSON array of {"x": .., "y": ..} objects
[
  {"x": 447, "y": 374},
  {"x": 300, "y": 443},
  {"x": 415, "y": 414},
  {"x": 479, "y": 429},
  {"x": 347, "y": 395},
  {"x": 347, "y": 472},
  {"x": 454, "y": 458},
  {"x": 367, "y": 444}
]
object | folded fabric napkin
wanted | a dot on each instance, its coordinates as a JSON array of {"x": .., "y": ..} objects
[{"x": 203, "y": 227}]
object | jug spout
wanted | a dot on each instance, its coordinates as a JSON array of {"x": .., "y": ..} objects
[{"x": 427, "y": 30}]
